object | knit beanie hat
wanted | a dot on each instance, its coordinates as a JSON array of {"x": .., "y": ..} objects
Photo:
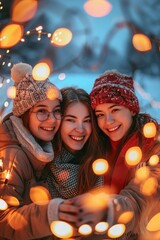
[
  {"x": 28, "y": 90},
  {"x": 114, "y": 87}
]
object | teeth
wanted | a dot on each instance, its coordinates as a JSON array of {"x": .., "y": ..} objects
[
  {"x": 48, "y": 129},
  {"x": 77, "y": 138},
  {"x": 113, "y": 129}
]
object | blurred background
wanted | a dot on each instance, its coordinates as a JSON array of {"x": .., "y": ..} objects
[{"x": 79, "y": 40}]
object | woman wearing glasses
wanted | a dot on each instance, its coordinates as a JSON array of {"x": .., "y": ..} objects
[{"x": 25, "y": 149}]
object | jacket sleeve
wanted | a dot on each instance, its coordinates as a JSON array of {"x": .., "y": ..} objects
[
  {"x": 142, "y": 206},
  {"x": 24, "y": 220}
]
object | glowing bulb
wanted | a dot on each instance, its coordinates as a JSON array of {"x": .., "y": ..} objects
[
  {"x": 11, "y": 92},
  {"x": 116, "y": 230},
  {"x": 149, "y": 130},
  {"x": 85, "y": 229},
  {"x": 149, "y": 186},
  {"x": 100, "y": 166},
  {"x": 125, "y": 217},
  {"x": 154, "y": 160},
  {"x": 61, "y": 37},
  {"x": 133, "y": 156},
  {"x": 142, "y": 173},
  {"x": 41, "y": 71},
  {"x": 101, "y": 227},
  {"x": 10, "y": 35},
  {"x": 3, "y": 204},
  {"x": 141, "y": 42},
  {"x": 154, "y": 223},
  {"x": 97, "y": 8},
  {"x": 61, "y": 229}
]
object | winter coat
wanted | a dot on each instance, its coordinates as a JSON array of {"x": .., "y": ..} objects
[
  {"x": 129, "y": 195},
  {"x": 25, "y": 218}
]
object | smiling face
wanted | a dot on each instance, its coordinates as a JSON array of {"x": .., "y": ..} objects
[
  {"x": 114, "y": 120},
  {"x": 44, "y": 130},
  {"x": 76, "y": 126}
]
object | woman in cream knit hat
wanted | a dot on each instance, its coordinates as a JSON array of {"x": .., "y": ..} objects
[{"x": 25, "y": 149}]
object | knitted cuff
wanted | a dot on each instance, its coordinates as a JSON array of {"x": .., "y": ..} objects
[{"x": 52, "y": 211}]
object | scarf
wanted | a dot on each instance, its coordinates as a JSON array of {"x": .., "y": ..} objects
[
  {"x": 121, "y": 173},
  {"x": 43, "y": 153},
  {"x": 63, "y": 176}
]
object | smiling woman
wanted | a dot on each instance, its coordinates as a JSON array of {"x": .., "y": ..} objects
[
  {"x": 74, "y": 145},
  {"x": 25, "y": 149}
]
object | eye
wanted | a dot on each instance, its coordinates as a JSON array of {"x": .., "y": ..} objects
[
  {"x": 99, "y": 115},
  {"x": 42, "y": 111},
  {"x": 58, "y": 110},
  {"x": 88, "y": 120},
  {"x": 115, "y": 110}
]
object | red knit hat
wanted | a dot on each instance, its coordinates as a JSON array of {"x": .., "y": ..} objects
[{"x": 114, "y": 87}]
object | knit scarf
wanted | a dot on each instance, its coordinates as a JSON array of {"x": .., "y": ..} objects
[
  {"x": 43, "y": 153},
  {"x": 121, "y": 173},
  {"x": 63, "y": 176}
]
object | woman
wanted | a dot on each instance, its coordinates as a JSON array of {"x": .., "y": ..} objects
[
  {"x": 74, "y": 146},
  {"x": 117, "y": 111},
  {"x": 25, "y": 149}
]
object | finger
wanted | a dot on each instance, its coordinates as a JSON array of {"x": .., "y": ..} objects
[
  {"x": 70, "y": 218},
  {"x": 68, "y": 208}
]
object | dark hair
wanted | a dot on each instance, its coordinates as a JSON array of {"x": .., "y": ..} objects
[{"x": 91, "y": 150}]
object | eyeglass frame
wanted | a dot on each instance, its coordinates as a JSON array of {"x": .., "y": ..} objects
[{"x": 48, "y": 115}]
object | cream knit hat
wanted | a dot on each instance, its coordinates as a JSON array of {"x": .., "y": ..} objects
[{"x": 28, "y": 90}]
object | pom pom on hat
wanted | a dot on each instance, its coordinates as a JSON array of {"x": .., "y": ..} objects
[
  {"x": 29, "y": 91},
  {"x": 19, "y": 71},
  {"x": 114, "y": 87}
]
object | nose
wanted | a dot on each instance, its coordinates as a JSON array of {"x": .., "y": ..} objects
[
  {"x": 79, "y": 127},
  {"x": 109, "y": 118},
  {"x": 51, "y": 116}
]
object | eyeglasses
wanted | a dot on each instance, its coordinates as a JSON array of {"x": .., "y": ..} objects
[{"x": 43, "y": 115}]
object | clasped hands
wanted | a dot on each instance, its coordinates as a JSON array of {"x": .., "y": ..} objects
[{"x": 87, "y": 208}]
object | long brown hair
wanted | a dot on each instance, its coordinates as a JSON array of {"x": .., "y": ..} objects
[{"x": 91, "y": 150}]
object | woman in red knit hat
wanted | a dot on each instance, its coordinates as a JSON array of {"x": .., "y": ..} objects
[{"x": 117, "y": 111}]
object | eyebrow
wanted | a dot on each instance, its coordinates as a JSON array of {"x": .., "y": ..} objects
[
  {"x": 42, "y": 105},
  {"x": 112, "y": 106}
]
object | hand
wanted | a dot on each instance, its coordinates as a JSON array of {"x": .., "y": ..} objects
[
  {"x": 92, "y": 208},
  {"x": 68, "y": 212}
]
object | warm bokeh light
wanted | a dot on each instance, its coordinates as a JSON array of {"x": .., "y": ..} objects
[
  {"x": 3, "y": 204},
  {"x": 17, "y": 221},
  {"x": 141, "y": 42},
  {"x": 100, "y": 166},
  {"x": 149, "y": 186},
  {"x": 11, "y": 92},
  {"x": 41, "y": 71},
  {"x": 116, "y": 230},
  {"x": 85, "y": 229},
  {"x": 149, "y": 130},
  {"x": 23, "y": 11},
  {"x": 101, "y": 227},
  {"x": 142, "y": 173},
  {"x": 154, "y": 223},
  {"x": 11, "y": 35},
  {"x": 154, "y": 160},
  {"x": 97, "y": 8},
  {"x": 39, "y": 195},
  {"x": 61, "y": 37},
  {"x": 133, "y": 156},
  {"x": 53, "y": 93},
  {"x": 96, "y": 198},
  {"x": 61, "y": 229},
  {"x": 125, "y": 217},
  {"x": 12, "y": 201}
]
